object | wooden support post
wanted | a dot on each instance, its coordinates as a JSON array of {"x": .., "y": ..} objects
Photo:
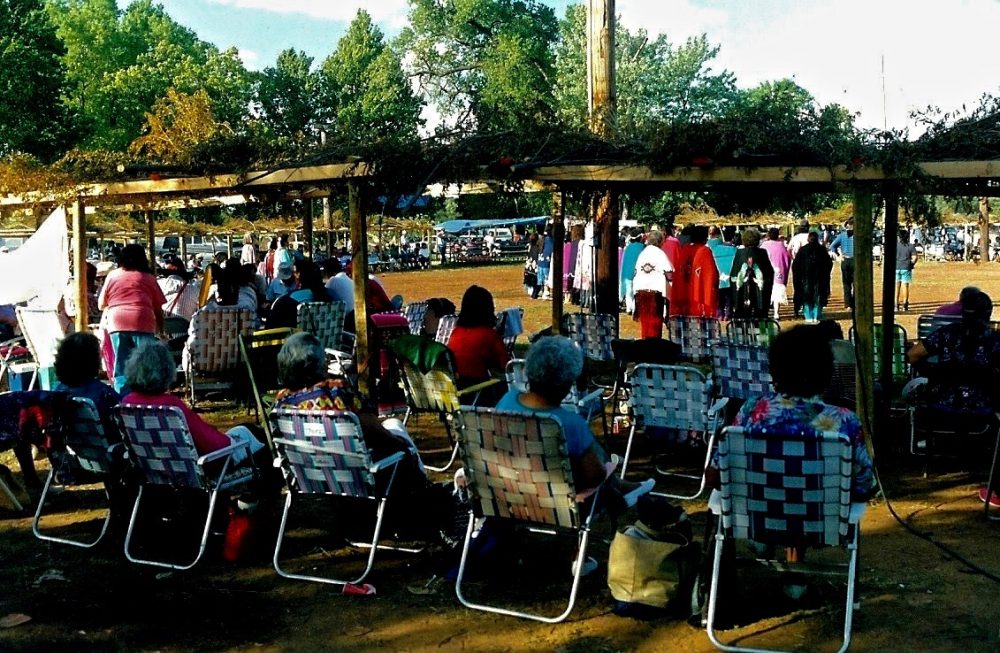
[
  {"x": 229, "y": 246},
  {"x": 328, "y": 224},
  {"x": 606, "y": 235},
  {"x": 556, "y": 264},
  {"x": 80, "y": 265},
  {"x": 182, "y": 248},
  {"x": 984, "y": 230},
  {"x": 864, "y": 303},
  {"x": 889, "y": 238},
  {"x": 307, "y": 227},
  {"x": 359, "y": 254},
  {"x": 151, "y": 239}
]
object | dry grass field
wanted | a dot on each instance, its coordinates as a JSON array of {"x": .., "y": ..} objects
[{"x": 914, "y": 597}]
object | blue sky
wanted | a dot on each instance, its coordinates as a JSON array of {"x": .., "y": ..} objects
[{"x": 935, "y": 52}]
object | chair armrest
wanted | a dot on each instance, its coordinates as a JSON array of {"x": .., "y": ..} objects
[
  {"x": 388, "y": 461},
  {"x": 717, "y": 407},
  {"x": 590, "y": 396},
  {"x": 857, "y": 512},
  {"x": 479, "y": 386},
  {"x": 715, "y": 502},
  {"x": 223, "y": 452},
  {"x": 339, "y": 355},
  {"x": 912, "y": 385}
]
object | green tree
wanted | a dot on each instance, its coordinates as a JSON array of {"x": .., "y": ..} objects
[
  {"x": 656, "y": 81},
  {"x": 484, "y": 63},
  {"x": 283, "y": 96},
  {"x": 363, "y": 91},
  {"x": 33, "y": 118}
]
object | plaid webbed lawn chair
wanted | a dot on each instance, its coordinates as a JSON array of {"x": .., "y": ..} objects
[
  {"x": 415, "y": 313},
  {"x": 325, "y": 320},
  {"x": 161, "y": 449},
  {"x": 12, "y": 351},
  {"x": 434, "y": 389},
  {"x": 324, "y": 453},
  {"x": 928, "y": 324},
  {"x": 510, "y": 324},
  {"x": 900, "y": 366},
  {"x": 676, "y": 401},
  {"x": 517, "y": 469},
  {"x": 588, "y": 405},
  {"x": 695, "y": 336},
  {"x": 259, "y": 351},
  {"x": 445, "y": 328},
  {"x": 593, "y": 333},
  {"x": 212, "y": 349},
  {"x": 786, "y": 490},
  {"x": 84, "y": 456},
  {"x": 42, "y": 333},
  {"x": 739, "y": 372},
  {"x": 758, "y": 332}
]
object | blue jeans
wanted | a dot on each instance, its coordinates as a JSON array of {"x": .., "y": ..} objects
[
  {"x": 812, "y": 311},
  {"x": 122, "y": 343}
]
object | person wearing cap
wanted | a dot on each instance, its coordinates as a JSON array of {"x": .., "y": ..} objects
[
  {"x": 843, "y": 248},
  {"x": 283, "y": 283},
  {"x": 179, "y": 287}
]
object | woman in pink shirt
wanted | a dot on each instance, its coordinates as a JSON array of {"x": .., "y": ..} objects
[{"x": 133, "y": 307}]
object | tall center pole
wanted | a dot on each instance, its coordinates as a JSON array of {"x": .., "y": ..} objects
[
  {"x": 603, "y": 120},
  {"x": 864, "y": 307}
]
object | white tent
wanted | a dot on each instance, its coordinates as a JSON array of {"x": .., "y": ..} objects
[{"x": 38, "y": 270}]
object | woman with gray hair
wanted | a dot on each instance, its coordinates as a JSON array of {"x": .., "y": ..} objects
[
  {"x": 150, "y": 372},
  {"x": 552, "y": 366}
]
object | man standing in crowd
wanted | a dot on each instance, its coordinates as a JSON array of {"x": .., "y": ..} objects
[
  {"x": 843, "y": 248},
  {"x": 906, "y": 258}
]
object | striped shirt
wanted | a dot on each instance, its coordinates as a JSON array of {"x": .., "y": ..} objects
[{"x": 843, "y": 245}]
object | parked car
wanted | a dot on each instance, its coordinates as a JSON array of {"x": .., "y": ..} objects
[{"x": 193, "y": 244}]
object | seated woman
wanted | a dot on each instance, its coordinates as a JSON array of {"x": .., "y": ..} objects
[
  {"x": 437, "y": 307},
  {"x": 801, "y": 366},
  {"x": 477, "y": 346},
  {"x": 552, "y": 366},
  {"x": 78, "y": 361},
  {"x": 302, "y": 372},
  {"x": 310, "y": 288},
  {"x": 150, "y": 371}
]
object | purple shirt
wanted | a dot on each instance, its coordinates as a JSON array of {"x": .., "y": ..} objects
[
  {"x": 955, "y": 308},
  {"x": 780, "y": 259}
]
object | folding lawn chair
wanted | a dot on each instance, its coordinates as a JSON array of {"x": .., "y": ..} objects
[
  {"x": 928, "y": 324},
  {"x": 384, "y": 373},
  {"x": 259, "y": 351},
  {"x": 517, "y": 469},
  {"x": 42, "y": 332},
  {"x": 900, "y": 366},
  {"x": 213, "y": 347},
  {"x": 324, "y": 452},
  {"x": 11, "y": 352},
  {"x": 325, "y": 320},
  {"x": 787, "y": 491},
  {"x": 434, "y": 389},
  {"x": 758, "y": 332},
  {"x": 593, "y": 332},
  {"x": 510, "y": 323},
  {"x": 695, "y": 335},
  {"x": 588, "y": 406},
  {"x": 161, "y": 449},
  {"x": 84, "y": 457},
  {"x": 445, "y": 327},
  {"x": 842, "y": 390},
  {"x": 415, "y": 312},
  {"x": 677, "y": 399},
  {"x": 739, "y": 372}
]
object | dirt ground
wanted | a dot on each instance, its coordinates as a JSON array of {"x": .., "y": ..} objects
[{"x": 913, "y": 596}]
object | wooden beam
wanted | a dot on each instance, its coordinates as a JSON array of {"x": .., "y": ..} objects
[
  {"x": 864, "y": 305},
  {"x": 80, "y": 265},
  {"x": 359, "y": 254},
  {"x": 556, "y": 264}
]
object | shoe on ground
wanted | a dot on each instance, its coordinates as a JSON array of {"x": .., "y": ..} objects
[
  {"x": 994, "y": 498},
  {"x": 589, "y": 567},
  {"x": 794, "y": 591},
  {"x": 631, "y": 495}
]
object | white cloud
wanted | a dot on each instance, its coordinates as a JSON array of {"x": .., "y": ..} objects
[
  {"x": 249, "y": 58},
  {"x": 388, "y": 13}
]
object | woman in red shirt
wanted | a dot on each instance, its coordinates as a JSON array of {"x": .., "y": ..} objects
[{"x": 475, "y": 342}]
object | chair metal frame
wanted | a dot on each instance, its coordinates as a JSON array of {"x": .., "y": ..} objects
[
  {"x": 815, "y": 507},
  {"x": 216, "y": 325},
  {"x": 436, "y": 391},
  {"x": 695, "y": 335},
  {"x": 674, "y": 397},
  {"x": 274, "y": 338},
  {"x": 759, "y": 331},
  {"x": 186, "y": 469},
  {"x": 910, "y": 394},
  {"x": 86, "y": 448},
  {"x": 530, "y": 448},
  {"x": 329, "y": 456}
]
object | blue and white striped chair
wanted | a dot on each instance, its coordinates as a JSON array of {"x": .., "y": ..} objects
[
  {"x": 759, "y": 332},
  {"x": 324, "y": 452},
  {"x": 739, "y": 372},
  {"x": 788, "y": 490},
  {"x": 695, "y": 335},
  {"x": 161, "y": 449}
]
